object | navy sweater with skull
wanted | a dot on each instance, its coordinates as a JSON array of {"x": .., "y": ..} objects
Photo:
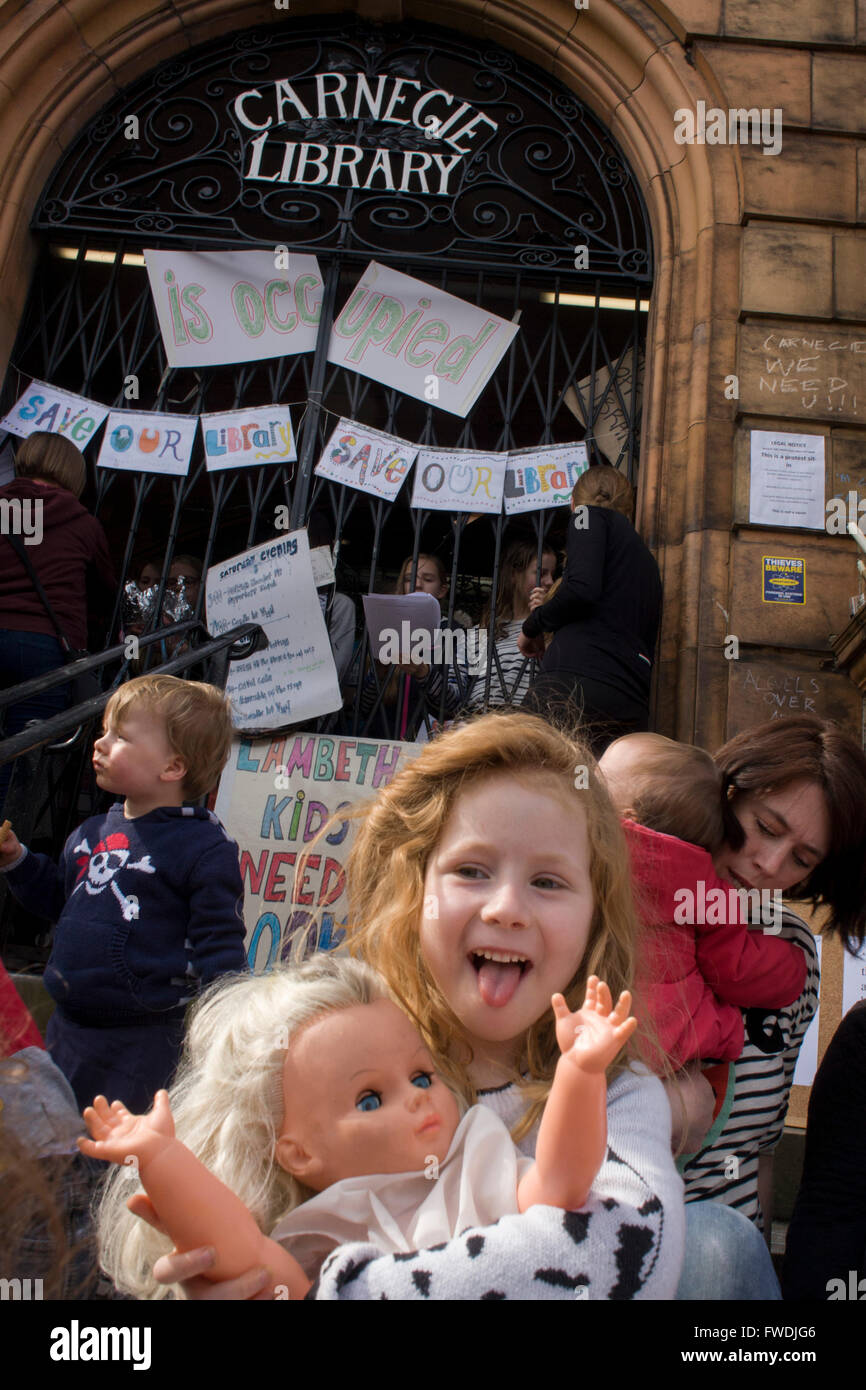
[{"x": 147, "y": 911}]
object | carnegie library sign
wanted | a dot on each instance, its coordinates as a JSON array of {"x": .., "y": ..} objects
[
  {"x": 436, "y": 115},
  {"x": 329, "y": 134}
]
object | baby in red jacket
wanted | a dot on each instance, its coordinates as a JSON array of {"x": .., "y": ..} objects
[{"x": 710, "y": 949}]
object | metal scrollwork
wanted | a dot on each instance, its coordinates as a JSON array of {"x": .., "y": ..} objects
[{"x": 514, "y": 197}]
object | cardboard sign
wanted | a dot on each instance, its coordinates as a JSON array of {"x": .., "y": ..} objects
[
  {"x": 426, "y": 343},
  {"x": 145, "y": 442},
  {"x": 294, "y": 678},
  {"x": 611, "y": 428},
  {"x": 366, "y": 459},
  {"x": 784, "y": 579},
  {"x": 44, "y": 407},
  {"x": 459, "y": 480},
  {"x": 540, "y": 478},
  {"x": 245, "y": 438},
  {"x": 274, "y": 797},
  {"x": 233, "y": 306}
]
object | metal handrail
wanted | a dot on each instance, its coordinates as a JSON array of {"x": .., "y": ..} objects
[
  {"x": 66, "y": 674},
  {"x": 234, "y": 645}
]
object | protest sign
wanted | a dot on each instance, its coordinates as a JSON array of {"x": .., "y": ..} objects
[
  {"x": 366, "y": 459},
  {"x": 44, "y": 407},
  {"x": 426, "y": 343},
  {"x": 295, "y": 677},
  {"x": 244, "y": 438},
  {"x": 459, "y": 480},
  {"x": 539, "y": 478},
  {"x": 611, "y": 426},
  {"x": 145, "y": 442},
  {"x": 233, "y": 306},
  {"x": 274, "y": 797}
]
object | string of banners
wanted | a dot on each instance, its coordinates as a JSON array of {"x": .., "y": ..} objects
[
  {"x": 149, "y": 441},
  {"x": 356, "y": 455}
]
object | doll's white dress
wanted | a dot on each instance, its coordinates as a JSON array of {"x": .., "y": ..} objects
[{"x": 400, "y": 1212}]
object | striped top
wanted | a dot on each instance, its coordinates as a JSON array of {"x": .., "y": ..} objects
[
  {"x": 727, "y": 1171},
  {"x": 510, "y": 670}
]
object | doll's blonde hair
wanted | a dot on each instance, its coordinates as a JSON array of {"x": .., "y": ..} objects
[
  {"x": 397, "y": 835},
  {"x": 227, "y": 1101}
]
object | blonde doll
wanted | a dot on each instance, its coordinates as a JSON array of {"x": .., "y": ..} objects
[
  {"x": 364, "y": 1122},
  {"x": 491, "y": 873}
]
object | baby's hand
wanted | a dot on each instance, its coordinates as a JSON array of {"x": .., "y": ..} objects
[
  {"x": 593, "y": 1036},
  {"x": 120, "y": 1137}
]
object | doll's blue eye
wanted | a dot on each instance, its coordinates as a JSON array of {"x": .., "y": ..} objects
[
  {"x": 371, "y": 1101},
  {"x": 423, "y": 1079}
]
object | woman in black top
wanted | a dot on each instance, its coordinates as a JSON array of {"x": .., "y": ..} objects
[{"x": 604, "y": 616}]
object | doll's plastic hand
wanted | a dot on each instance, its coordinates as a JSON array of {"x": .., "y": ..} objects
[
  {"x": 593, "y": 1036},
  {"x": 140, "y": 1205},
  {"x": 256, "y": 1285},
  {"x": 117, "y": 1135}
]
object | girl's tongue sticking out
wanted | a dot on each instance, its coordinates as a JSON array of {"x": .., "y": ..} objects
[{"x": 498, "y": 977}]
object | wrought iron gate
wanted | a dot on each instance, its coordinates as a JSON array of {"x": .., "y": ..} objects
[{"x": 548, "y": 193}]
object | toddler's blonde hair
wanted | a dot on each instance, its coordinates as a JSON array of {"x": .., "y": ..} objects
[{"x": 197, "y": 719}]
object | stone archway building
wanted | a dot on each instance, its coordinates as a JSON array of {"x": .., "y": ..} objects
[{"x": 759, "y": 285}]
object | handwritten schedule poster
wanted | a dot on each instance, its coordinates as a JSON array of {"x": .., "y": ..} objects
[{"x": 294, "y": 678}]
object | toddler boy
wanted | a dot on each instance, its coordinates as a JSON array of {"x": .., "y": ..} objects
[{"x": 147, "y": 898}]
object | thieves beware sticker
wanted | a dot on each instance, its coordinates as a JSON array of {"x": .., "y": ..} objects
[{"x": 784, "y": 579}]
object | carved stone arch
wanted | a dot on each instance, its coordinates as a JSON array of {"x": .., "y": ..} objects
[{"x": 629, "y": 64}]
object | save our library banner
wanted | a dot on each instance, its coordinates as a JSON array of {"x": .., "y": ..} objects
[
  {"x": 274, "y": 798},
  {"x": 469, "y": 480}
]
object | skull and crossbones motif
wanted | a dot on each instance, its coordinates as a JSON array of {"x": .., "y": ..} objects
[{"x": 100, "y": 868}]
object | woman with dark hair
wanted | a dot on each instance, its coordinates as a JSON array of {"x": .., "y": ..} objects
[
  {"x": 797, "y": 789},
  {"x": 604, "y": 616}
]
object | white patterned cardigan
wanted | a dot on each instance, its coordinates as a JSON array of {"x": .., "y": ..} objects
[{"x": 625, "y": 1243}]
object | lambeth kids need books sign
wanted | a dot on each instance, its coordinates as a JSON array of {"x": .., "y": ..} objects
[{"x": 274, "y": 797}]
